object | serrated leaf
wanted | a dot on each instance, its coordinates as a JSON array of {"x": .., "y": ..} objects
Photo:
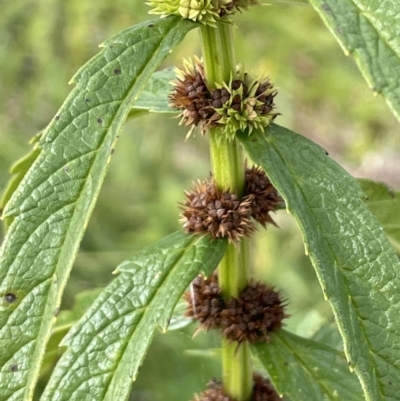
[
  {"x": 369, "y": 31},
  {"x": 306, "y": 370},
  {"x": 385, "y": 205},
  {"x": 52, "y": 205},
  {"x": 107, "y": 347},
  {"x": 357, "y": 267},
  {"x": 18, "y": 171},
  {"x": 154, "y": 96},
  {"x": 65, "y": 320}
]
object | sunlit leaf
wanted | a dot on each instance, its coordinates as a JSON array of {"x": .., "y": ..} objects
[
  {"x": 65, "y": 320},
  {"x": 357, "y": 267},
  {"x": 385, "y": 205},
  {"x": 107, "y": 347},
  {"x": 52, "y": 204},
  {"x": 306, "y": 370},
  {"x": 369, "y": 31}
]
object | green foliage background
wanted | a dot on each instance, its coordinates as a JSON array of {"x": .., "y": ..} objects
[{"x": 321, "y": 95}]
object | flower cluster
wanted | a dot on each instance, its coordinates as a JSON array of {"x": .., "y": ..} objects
[
  {"x": 262, "y": 391},
  {"x": 265, "y": 197},
  {"x": 208, "y": 209},
  {"x": 207, "y": 12},
  {"x": 252, "y": 316},
  {"x": 221, "y": 214},
  {"x": 242, "y": 103}
]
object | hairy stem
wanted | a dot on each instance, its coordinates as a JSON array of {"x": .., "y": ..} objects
[{"x": 228, "y": 172}]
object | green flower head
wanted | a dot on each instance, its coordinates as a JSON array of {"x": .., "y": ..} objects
[{"x": 207, "y": 12}]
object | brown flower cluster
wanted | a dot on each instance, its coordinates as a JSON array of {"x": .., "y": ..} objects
[
  {"x": 242, "y": 103},
  {"x": 262, "y": 391},
  {"x": 192, "y": 96},
  {"x": 265, "y": 196},
  {"x": 208, "y": 209},
  {"x": 221, "y": 214},
  {"x": 251, "y": 317}
]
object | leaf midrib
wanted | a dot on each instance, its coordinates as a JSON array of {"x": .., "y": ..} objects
[{"x": 148, "y": 307}]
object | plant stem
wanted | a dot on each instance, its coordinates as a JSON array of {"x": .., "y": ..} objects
[{"x": 228, "y": 172}]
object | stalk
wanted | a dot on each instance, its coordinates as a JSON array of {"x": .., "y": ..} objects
[{"x": 228, "y": 172}]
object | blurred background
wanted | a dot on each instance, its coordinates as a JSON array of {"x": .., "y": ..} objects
[{"x": 321, "y": 95}]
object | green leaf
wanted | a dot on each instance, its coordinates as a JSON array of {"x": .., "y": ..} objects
[
  {"x": 107, "y": 347},
  {"x": 385, "y": 205},
  {"x": 369, "y": 31},
  {"x": 53, "y": 202},
  {"x": 178, "y": 320},
  {"x": 65, "y": 320},
  {"x": 154, "y": 96},
  {"x": 306, "y": 370},
  {"x": 357, "y": 267},
  {"x": 18, "y": 171}
]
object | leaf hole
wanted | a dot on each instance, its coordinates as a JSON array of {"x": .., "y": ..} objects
[
  {"x": 117, "y": 71},
  {"x": 10, "y": 297}
]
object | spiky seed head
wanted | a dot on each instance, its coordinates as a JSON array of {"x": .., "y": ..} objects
[
  {"x": 221, "y": 214},
  {"x": 214, "y": 392},
  {"x": 246, "y": 104},
  {"x": 191, "y": 94},
  {"x": 265, "y": 197},
  {"x": 205, "y": 302},
  {"x": 263, "y": 389},
  {"x": 207, "y": 12},
  {"x": 237, "y": 105},
  {"x": 252, "y": 316}
]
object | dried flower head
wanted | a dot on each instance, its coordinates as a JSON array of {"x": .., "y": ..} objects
[
  {"x": 191, "y": 94},
  {"x": 205, "y": 302},
  {"x": 214, "y": 392},
  {"x": 221, "y": 214},
  {"x": 265, "y": 196},
  {"x": 257, "y": 312},
  {"x": 262, "y": 391},
  {"x": 252, "y": 316},
  {"x": 207, "y": 12},
  {"x": 237, "y": 105}
]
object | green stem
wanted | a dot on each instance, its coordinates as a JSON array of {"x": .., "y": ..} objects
[
  {"x": 226, "y": 162},
  {"x": 228, "y": 172}
]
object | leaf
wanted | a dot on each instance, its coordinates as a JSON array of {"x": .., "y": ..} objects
[
  {"x": 178, "y": 319},
  {"x": 154, "y": 96},
  {"x": 52, "y": 205},
  {"x": 306, "y": 370},
  {"x": 107, "y": 347},
  {"x": 18, "y": 171},
  {"x": 385, "y": 205},
  {"x": 369, "y": 31},
  {"x": 357, "y": 268},
  {"x": 65, "y": 320}
]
